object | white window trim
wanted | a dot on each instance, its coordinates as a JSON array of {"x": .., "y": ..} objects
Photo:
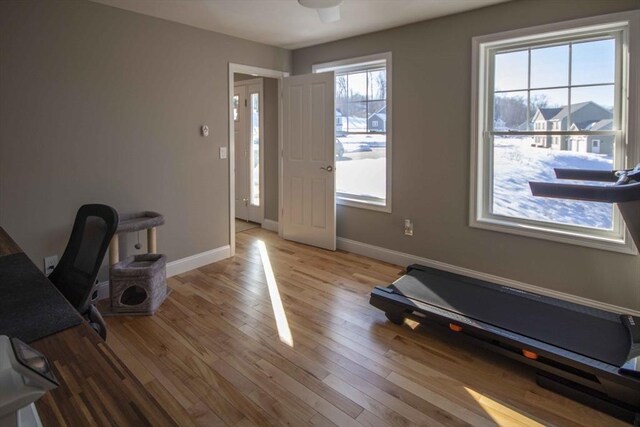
[
  {"x": 364, "y": 62},
  {"x": 630, "y": 122}
]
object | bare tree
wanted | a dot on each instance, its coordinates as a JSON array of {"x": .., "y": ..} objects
[{"x": 380, "y": 80}]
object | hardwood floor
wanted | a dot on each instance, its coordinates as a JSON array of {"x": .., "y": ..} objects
[{"x": 212, "y": 355}]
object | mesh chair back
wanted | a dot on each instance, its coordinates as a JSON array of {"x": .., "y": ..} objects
[{"x": 76, "y": 273}]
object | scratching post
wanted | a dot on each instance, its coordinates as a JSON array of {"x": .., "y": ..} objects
[
  {"x": 151, "y": 241},
  {"x": 137, "y": 284},
  {"x": 114, "y": 250}
]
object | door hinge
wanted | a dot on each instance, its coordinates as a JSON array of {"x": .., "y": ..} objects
[{"x": 245, "y": 102}]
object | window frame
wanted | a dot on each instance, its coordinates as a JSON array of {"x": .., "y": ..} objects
[
  {"x": 363, "y": 63},
  {"x": 627, "y": 108}
]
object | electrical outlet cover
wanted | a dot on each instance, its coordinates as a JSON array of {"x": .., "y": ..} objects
[{"x": 50, "y": 264}]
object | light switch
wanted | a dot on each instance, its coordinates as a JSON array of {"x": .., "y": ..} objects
[{"x": 223, "y": 152}]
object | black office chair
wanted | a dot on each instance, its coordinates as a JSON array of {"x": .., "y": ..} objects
[{"x": 75, "y": 275}]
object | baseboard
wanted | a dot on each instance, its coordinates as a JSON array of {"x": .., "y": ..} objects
[
  {"x": 103, "y": 290},
  {"x": 404, "y": 259},
  {"x": 180, "y": 266},
  {"x": 198, "y": 260},
  {"x": 270, "y": 225}
]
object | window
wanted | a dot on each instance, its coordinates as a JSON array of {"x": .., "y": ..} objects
[
  {"x": 552, "y": 89},
  {"x": 363, "y": 130},
  {"x": 236, "y": 99},
  {"x": 254, "y": 190}
]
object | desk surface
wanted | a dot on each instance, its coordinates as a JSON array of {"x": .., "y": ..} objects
[{"x": 95, "y": 387}]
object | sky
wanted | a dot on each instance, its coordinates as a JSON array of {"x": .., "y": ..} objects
[{"x": 592, "y": 62}]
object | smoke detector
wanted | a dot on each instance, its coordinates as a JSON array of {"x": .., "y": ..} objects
[{"x": 328, "y": 10}]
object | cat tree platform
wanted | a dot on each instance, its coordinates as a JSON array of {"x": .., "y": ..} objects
[{"x": 138, "y": 221}]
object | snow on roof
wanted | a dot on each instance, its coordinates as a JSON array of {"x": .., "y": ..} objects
[
  {"x": 604, "y": 124},
  {"x": 382, "y": 110}
]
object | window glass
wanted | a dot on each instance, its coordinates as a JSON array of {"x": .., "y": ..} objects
[
  {"x": 593, "y": 62},
  {"x": 567, "y": 87},
  {"x": 511, "y": 70},
  {"x": 361, "y": 143},
  {"x": 236, "y": 100},
  {"x": 255, "y": 150},
  {"x": 518, "y": 159},
  {"x": 550, "y": 66}
]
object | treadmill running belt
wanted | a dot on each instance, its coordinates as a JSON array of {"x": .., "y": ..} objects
[{"x": 591, "y": 332}]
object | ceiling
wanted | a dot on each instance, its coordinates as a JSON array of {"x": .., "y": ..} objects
[{"x": 286, "y": 24}]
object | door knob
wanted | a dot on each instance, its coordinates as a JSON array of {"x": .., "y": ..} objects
[{"x": 328, "y": 168}]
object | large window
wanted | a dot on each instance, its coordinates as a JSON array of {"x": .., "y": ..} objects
[
  {"x": 363, "y": 130},
  {"x": 545, "y": 98}
]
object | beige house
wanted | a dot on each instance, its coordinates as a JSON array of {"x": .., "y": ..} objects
[{"x": 557, "y": 119}]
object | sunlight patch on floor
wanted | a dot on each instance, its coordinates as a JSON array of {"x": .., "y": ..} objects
[
  {"x": 500, "y": 413},
  {"x": 274, "y": 294},
  {"x": 411, "y": 323}
]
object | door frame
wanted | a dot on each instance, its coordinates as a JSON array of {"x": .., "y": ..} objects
[
  {"x": 247, "y": 83},
  {"x": 257, "y": 72}
]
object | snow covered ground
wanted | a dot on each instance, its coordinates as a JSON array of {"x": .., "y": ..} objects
[
  {"x": 373, "y": 139},
  {"x": 365, "y": 177},
  {"x": 516, "y": 163}
]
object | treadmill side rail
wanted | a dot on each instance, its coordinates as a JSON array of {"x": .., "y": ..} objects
[{"x": 632, "y": 367}]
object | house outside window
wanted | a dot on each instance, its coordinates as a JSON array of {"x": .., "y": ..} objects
[
  {"x": 559, "y": 88},
  {"x": 363, "y": 138}
]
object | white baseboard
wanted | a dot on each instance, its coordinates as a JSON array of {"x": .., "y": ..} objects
[
  {"x": 270, "y": 225},
  {"x": 404, "y": 259},
  {"x": 180, "y": 266},
  {"x": 103, "y": 290},
  {"x": 198, "y": 260}
]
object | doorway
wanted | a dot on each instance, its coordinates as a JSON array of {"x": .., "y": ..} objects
[
  {"x": 266, "y": 173},
  {"x": 305, "y": 157},
  {"x": 248, "y": 116}
]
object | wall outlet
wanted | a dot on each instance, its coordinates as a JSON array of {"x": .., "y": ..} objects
[
  {"x": 50, "y": 263},
  {"x": 408, "y": 227}
]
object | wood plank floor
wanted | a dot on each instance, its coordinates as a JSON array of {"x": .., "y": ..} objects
[{"x": 213, "y": 355}]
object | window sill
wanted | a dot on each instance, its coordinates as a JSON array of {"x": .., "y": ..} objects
[
  {"x": 612, "y": 244},
  {"x": 357, "y": 203}
]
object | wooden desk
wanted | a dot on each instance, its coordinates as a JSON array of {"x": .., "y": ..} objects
[{"x": 96, "y": 388}]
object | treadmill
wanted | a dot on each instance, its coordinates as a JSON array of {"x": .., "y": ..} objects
[{"x": 587, "y": 354}]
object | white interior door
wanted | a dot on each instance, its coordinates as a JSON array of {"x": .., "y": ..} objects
[
  {"x": 249, "y": 149},
  {"x": 308, "y": 160}
]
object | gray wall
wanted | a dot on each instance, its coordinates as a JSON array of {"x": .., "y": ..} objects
[
  {"x": 431, "y": 106},
  {"x": 98, "y": 104}
]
